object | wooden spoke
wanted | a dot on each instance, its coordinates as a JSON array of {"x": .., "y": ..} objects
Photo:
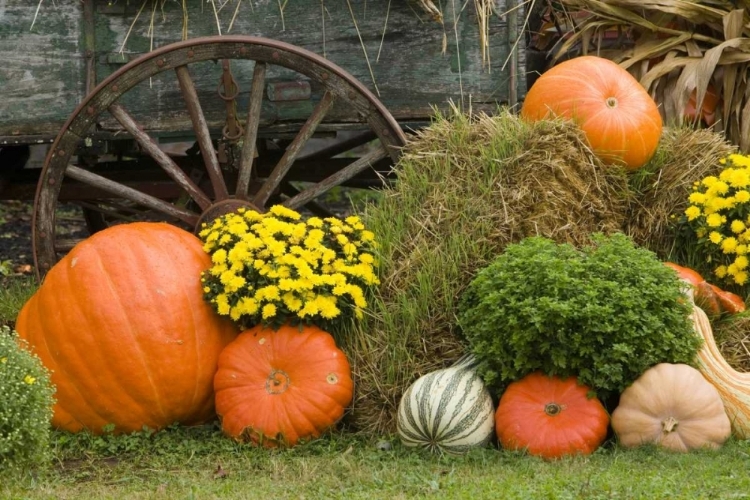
[
  {"x": 202, "y": 133},
  {"x": 292, "y": 151},
  {"x": 125, "y": 214},
  {"x": 341, "y": 147},
  {"x": 162, "y": 159},
  {"x": 65, "y": 246},
  {"x": 336, "y": 179},
  {"x": 131, "y": 194},
  {"x": 316, "y": 208},
  {"x": 251, "y": 129}
]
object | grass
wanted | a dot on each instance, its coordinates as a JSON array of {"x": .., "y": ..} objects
[
  {"x": 201, "y": 463},
  {"x": 14, "y": 292}
]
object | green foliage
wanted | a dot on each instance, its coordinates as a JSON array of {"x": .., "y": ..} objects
[
  {"x": 26, "y": 399},
  {"x": 604, "y": 314},
  {"x": 14, "y": 292}
]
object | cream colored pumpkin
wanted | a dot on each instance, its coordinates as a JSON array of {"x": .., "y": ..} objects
[
  {"x": 673, "y": 406},
  {"x": 733, "y": 386}
]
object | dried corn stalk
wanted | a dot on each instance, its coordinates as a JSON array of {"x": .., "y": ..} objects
[{"x": 676, "y": 49}]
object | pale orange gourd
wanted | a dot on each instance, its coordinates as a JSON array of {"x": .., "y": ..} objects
[
  {"x": 672, "y": 406},
  {"x": 122, "y": 324},
  {"x": 621, "y": 121}
]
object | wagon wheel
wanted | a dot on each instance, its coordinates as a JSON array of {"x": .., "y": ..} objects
[{"x": 221, "y": 193}]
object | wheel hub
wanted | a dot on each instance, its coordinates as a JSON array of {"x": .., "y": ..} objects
[{"x": 223, "y": 207}]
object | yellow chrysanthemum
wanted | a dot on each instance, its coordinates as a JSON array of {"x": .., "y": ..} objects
[
  {"x": 720, "y": 271},
  {"x": 269, "y": 311},
  {"x": 729, "y": 245},
  {"x": 713, "y": 220},
  {"x": 737, "y": 226},
  {"x": 741, "y": 277},
  {"x": 715, "y": 237}
]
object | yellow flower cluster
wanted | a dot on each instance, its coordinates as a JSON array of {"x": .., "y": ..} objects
[
  {"x": 719, "y": 213},
  {"x": 275, "y": 267}
]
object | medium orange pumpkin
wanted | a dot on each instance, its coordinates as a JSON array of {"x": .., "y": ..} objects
[
  {"x": 712, "y": 299},
  {"x": 621, "y": 121},
  {"x": 122, "y": 324},
  {"x": 275, "y": 388},
  {"x": 550, "y": 417}
]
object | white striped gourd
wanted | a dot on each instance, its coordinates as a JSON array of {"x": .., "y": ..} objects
[
  {"x": 733, "y": 386},
  {"x": 448, "y": 410}
]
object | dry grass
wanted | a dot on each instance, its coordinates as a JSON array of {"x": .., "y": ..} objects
[
  {"x": 467, "y": 187},
  {"x": 661, "y": 188},
  {"x": 733, "y": 338}
]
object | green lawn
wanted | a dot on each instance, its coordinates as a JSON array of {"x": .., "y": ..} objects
[{"x": 201, "y": 463}]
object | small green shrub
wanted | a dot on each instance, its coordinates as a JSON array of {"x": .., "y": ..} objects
[
  {"x": 26, "y": 399},
  {"x": 604, "y": 314}
]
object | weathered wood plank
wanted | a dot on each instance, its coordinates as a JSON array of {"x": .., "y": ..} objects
[
  {"x": 413, "y": 61},
  {"x": 42, "y": 75}
]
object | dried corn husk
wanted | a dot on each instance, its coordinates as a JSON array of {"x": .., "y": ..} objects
[{"x": 676, "y": 48}]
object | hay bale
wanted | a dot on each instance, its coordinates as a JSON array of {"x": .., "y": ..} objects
[
  {"x": 733, "y": 339},
  {"x": 467, "y": 187},
  {"x": 661, "y": 188}
]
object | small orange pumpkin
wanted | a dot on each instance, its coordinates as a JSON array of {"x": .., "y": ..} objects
[
  {"x": 275, "y": 388},
  {"x": 122, "y": 324},
  {"x": 620, "y": 119},
  {"x": 550, "y": 417}
]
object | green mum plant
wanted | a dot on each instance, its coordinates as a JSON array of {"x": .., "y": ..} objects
[
  {"x": 719, "y": 215},
  {"x": 276, "y": 267},
  {"x": 26, "y": 400},
  {"x": 604, "y": 314}
]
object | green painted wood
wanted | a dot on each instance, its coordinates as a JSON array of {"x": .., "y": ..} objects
[
  {"x": 414, "y": 61},
  {"x": 41, "y": 69}
]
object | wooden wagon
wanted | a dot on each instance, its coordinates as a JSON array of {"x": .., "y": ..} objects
[{"x": 252, "y": 85}]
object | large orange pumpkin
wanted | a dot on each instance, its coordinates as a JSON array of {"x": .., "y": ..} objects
[
  {"x": 122, "y": 324},
  {"x": 550, "y": 417},
  {"x": 275, "y": 388},
  {"x": 620, "y": 120}
]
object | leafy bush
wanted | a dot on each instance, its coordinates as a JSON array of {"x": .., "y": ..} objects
[
  {"x": 605, "y": 313},
  {"x": 26, "y": 399}
]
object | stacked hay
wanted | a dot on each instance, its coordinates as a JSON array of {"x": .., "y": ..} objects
[
  {"x": 733, "y": 339},
  {"x": 661, "y": 188},
  {"x": 466, "y": 189}
]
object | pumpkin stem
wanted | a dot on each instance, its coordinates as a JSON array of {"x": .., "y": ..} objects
[
  {"x": 669, "y": 424},
  {"x": 611, "y": 102},
  {"x": 552, "y": 409},
  {"x": 277, "y": 382}
]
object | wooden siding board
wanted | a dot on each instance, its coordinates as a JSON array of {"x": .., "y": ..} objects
[
  {"x": 414, "y": 71},
  {"x": 41, "y": 69}
]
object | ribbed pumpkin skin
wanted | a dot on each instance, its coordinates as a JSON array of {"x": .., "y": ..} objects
[
  {"x": 275, "y": 388},
  {"x": 522, "y": 421},
  {"x": 122, "y": 324},
  {"x": 673, "y": 406},
  {"x": 733, "y": 386},
  {"x": 448, "y": 410},
  {"x": 621, "y": 121}
]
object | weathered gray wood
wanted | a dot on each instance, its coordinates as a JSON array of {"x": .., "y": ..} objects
[
  {"x": 202, "y": 134},
  {"x": 123, "y": 191},
  {"x": 151, "y": 148},
  {"x": 336, "y": 179},
  {"x": 251, "y": 129},
  {"x": 290, "y": 155},
  {"x": 416, "y": 67}
]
